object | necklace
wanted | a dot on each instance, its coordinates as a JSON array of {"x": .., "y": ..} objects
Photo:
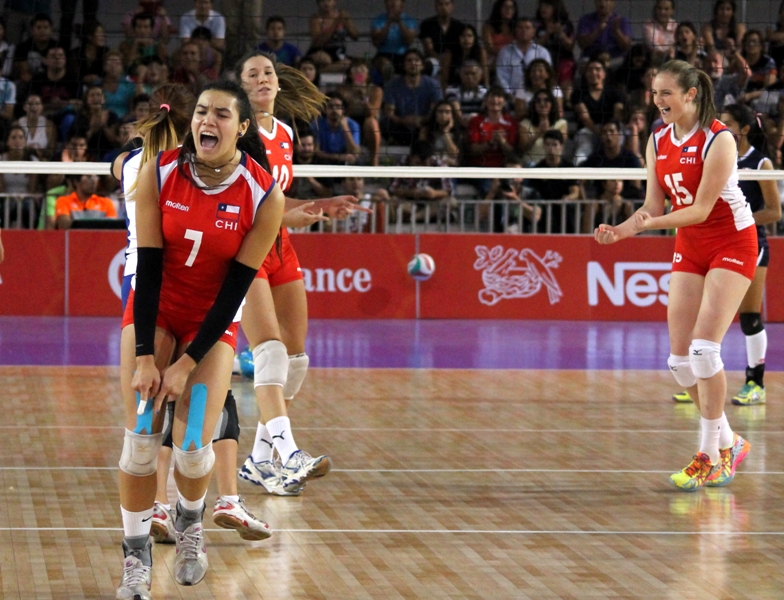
[{"x": 221, "y": 167}]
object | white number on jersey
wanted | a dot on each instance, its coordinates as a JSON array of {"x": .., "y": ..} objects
[
  {"x": 195, "y": 236},
  {"x": 282, "y": 176},
  {"x": 677, "y": 191}
]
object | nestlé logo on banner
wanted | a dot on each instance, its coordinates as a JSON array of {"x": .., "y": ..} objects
[{"x": 641, "y": 283}]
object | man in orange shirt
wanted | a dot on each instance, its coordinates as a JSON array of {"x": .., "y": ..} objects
[{"x": 82, "y": 199}]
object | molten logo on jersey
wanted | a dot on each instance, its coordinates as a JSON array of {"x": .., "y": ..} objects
[{"x": 228, "y": 212}]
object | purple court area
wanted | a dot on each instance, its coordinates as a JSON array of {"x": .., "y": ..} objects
[{"x": 441, "y": 344}]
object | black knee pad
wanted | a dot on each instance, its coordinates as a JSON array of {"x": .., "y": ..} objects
[
  {"x": 228, "y": 427},
  {"x": 751, "y": 323},
  {"x": 168, "y": 419}
]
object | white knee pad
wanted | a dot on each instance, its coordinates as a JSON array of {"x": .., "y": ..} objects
[
  {"x": 270, "y": 363},
  {"x": 705, "y": 358},
  {"x": 140, "y": 453},
  {"x": 194, "y": 464},
  {"x": 680, "y": 367},
  {"x": 298, "y": 368}
]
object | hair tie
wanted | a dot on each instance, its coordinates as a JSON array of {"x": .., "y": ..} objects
[
  {"x": 759, "y": 123},
  {"x": 166, "y": 106}
]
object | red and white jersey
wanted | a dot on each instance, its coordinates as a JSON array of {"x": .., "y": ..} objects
[
  {"x": 203, "y": 230},
  {"x": 679, "y": 169},
  {"x": 280, "y": 152}
]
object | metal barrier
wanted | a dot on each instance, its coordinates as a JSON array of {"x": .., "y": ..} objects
[{"x": 20, "y": 211}]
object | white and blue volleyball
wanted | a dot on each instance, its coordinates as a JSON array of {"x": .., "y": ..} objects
[{"x": 421, "y": 267}]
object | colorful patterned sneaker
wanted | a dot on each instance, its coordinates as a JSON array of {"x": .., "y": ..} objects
[
  {"x": 695, "y": 475},
  {"x": 730, "y": 459},
  {"x": 267, "y": 474},
  {"x": 162, "y": 528},
  {"x": 233, "y": 515},
  {"x": 137, "y": 574},
  {"x": 682, "y": 397},
  {"x": 749, "y": 394},
  {"x": 190, "y": 562},
  {"x": 301, "y": 466}
]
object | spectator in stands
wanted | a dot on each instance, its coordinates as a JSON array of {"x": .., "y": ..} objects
[
  {"x": 152, "y": 73},
  {"x": 6, "y": 53},
  {"x": 307, "y": 188},
  {"x": 498, "y": 30},
  {"x": 555, "y": 31},
  {"x": 17, "y": 15},
  {"x": 141, "y": 44},
  {"x": 359, "y": 222},
  {"x": 392, "y": 32},
  {"x": 520, "y": 216},
  {"x": 82, "y": 199},
  {"x": 775, "y": 38},
  {"x": 629, "y": 76},
  {"x": 723, "y": 32},
  {"x": 97, "y": 124},
  {"x": 770, "y": 99},
  {"x": 337, "y": 136},
  {"x": 468, "y": 97},
  {"x": 329, "y": 30},
  {"x": 513, "y": 59},
  {"x": 243, "y": 27},
  {"x": 211, "y": 59},
  {"x": 311, "y": 71},
  {"x": 539, "y": 75},
  {"x": 562, "y": 217},
  {"x": 469, "y": 48},
  {"x": 687, "y": 44},
  {"x": 444, "y": 132},
  {"x": 729, "y": 83},
  {"x": 202, "y": 15},
  {"x": 285, "y": 53},
  {"x": 189, "y": 72},
  {"x": 611, "y": 207},
  {"x": 162, "y": 26},
  {"x": 604, "y": 32},
  {"x": 21, "y": 210},
  {"x": 7, "y": 101},
  {"x": 75, "y": 150},
  {"x": 542, "y": 118},
  {"x": 363, "y": 100},
  {"x": 140, "y": 109},
  {"x": 59, "y": 90},
  {"x": 29, "y": 55},
  {"x": 40, "y": 132},
  {"x": 763, "y": 69},
  {"x": 612, "y": 155},
  {"x": 594, "y": 105},
  {"x": 441, "y": 33},
  {"x": 636, "y": 131},
  {"x": 435, "y": 189},
  {"x": 67, "y": 14},
  {"x": 117, "y": 89},
  {"x": 86, "y": 61},
  {"x": 658, "y": 34},
  {"x": 408, "y": 100}
]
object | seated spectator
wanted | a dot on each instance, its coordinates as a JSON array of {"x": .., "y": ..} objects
[
  {"x": 555, "y": 31},
  {"x": 408, "y": 100},
  {"x": 611, "y": 206},
  {"x": 687, "y": 44},
  {"x": 444, "y": 132},
  {"x": 728, "y": 84},
  {"x": 162, "y": 26},
  {"x": 98, "y": 125},
  {"x": 337, "y": 136},
  {"x": 658, "y": 34},
  {"x": 513, "y": 60},
  {"x": 211, "y": 59},
  {"x": 419, "y": 189},
  {"x": 723, "y": 32},
  {"x": 141, "y": 44},
  {"x": 151, "y": 73},
  {"x": 539, "y": 76},
  {"x": 562, "y": 217},
  {"x": 86, "y": 61},
  {"x": 7, "y": 101},
  {"x": 75, "y": 150},
  {"x": 637, "y": 131},
  {"x": 6, "y": 53},
  {"x": 392, "y": 32},
  {"x": 308, "y": 188},
  {"x": 285, "y": 53},
  {"x": 469, "y": 48},
  {"x": 30, "y": 54},
  {"x": 329, "y": 29},
  {"x": 83, "y": 199},
  {"x": 775, "y": 37},
  {"x": 359, "y": 222},
  {"x": 140, "y": 108},
  {"x": 520, "y": 217},
  {"x": 40, "y": 132},
  {"x": 58, "y": 89},
  {"x": 629, "y": 76},
  {"x": 440, "y": 34},
  {"x": 612, "y": 155},
  {"x": 363, "y": 99},
  {"x": 543, "y": 118},
  {"x": 769, "y": 101},
  {"x": 202, "y": 15},
  {"x": 311, "y": 71},
  {"x": 498, "y": 30},
  {"x": 468, "y": 97},
  {"x": 127, "y": 133},
  {"x": 117, "y": 89},
  {"x": 19, "y": 183},
  {"x": 604, "y": 32},
  {"x": 763, "y": 69},
  {"x": 189, "y": 72}
]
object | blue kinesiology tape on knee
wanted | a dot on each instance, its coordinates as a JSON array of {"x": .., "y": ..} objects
[
  {"x": 195, "y": 417},
  {"x": 144, "y": 420}
]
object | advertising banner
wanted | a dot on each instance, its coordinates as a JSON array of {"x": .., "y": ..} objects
[
  {"x": 96, "y": 260},
  {"x": 32, "y": 276}
]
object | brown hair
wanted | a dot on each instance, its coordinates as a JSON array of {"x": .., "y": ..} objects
[{"x": 689, "y": 77}]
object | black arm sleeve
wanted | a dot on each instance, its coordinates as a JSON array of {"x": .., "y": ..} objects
[
  {"x": 129, "y": 146},
  {"x": 149, "y": 274},
  {"x": 226, "y": 304}
]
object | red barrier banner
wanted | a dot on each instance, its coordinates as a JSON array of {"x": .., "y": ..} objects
[
  {"x": 95, "y": 269},
  {"x": 32, "y": 276}
]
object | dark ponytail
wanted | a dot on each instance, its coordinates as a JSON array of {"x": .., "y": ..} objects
[{"x": 746, "y": 117}]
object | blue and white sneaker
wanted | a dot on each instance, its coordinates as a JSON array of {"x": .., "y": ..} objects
[
  {"x": 268, "y": 475},
  {"x": 301, "y": 467}
]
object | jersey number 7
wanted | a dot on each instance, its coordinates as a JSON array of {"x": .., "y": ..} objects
[
  {"x": 677, "y": 191},
  {"x": 195, "y": 237}
]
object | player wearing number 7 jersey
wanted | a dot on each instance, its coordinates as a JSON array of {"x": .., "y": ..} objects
[{"x": 691, "y": 161}]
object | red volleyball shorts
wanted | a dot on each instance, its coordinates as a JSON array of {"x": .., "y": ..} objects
[
  {"x": 735, "y": 253},
  {"x": 283, "y": 267},
  {"x": 183, "y": 330}
]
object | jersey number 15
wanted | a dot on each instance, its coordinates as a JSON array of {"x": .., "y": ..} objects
[{"x": 679, "y": 193}]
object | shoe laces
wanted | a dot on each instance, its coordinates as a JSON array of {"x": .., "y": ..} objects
[
  {"x": 697, "y": 464},
  {"x": 298, "y": 459},
  {"x": 189, "y": 543},
  {"x": 135, "y": 572}
]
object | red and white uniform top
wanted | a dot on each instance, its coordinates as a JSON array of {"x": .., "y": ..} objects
[
  {"x": 679, "y": 169},
  {"x": 280, "y": 152},
  {"x": 203, "y": 230}
]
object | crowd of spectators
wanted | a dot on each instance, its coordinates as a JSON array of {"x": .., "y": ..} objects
[{"x": 546, "y": 89}]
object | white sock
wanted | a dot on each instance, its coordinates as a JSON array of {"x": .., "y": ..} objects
[
  {"x": 280, "y": 431},
  {"x": 195, "y": 505},
  {"x": 231, "y": 498},
  {"x": 709, "y": 444},
  {"x": 756, "y": 347},
  {"x": 262, "y": 445},
  {"x": 136, "y": 524},
  {"x": 726, "y": 435}
]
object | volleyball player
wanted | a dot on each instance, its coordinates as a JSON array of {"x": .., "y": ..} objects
[
  {"x": 715, "y": 254},
  {"x": 207, "y": 214},
  {"x": 763, "y": 199}
]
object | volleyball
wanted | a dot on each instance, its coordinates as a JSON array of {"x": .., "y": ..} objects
[{"x": 421, "y": 267}]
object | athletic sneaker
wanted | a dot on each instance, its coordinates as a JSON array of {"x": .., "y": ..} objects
[
  {"x": 694, "y": 476},
  {"x": 730, "y": 459},
  {"x": 301, "y": 466},
  {"x": 137, "y": 574},
  {"x": 682, "y": 397},
  {"x": 233, "y": 515},
  {"x": 162, "y": 528},
  {"x": 749, "y": 394},
  {"x": 267, "y": 474},
  {"x": 190, "y": 561}
]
